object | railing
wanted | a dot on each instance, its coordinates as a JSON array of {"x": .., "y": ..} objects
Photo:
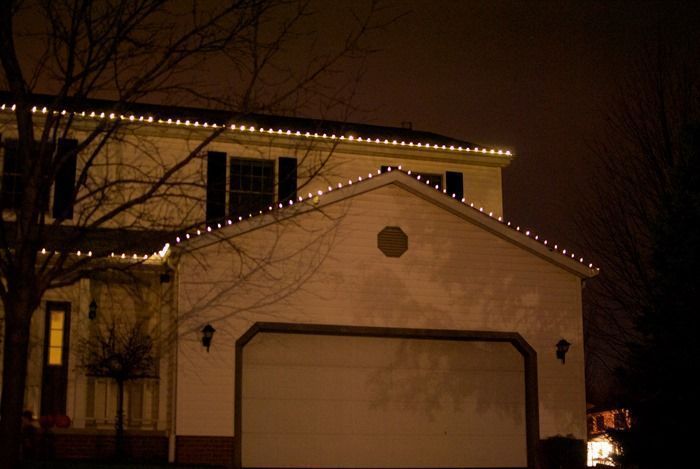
[{"x": 140, "y": 403}]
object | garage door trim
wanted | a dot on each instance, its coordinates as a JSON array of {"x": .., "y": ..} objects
[{"x": 526, "y": 351}]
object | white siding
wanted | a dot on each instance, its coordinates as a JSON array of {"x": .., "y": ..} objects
[{"x": 454, "y": 275}]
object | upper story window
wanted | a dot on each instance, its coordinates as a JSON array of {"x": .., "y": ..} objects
[
  {"x": 433, "y": 179},
  {"x": 11, "y": 176},
  {"x": 63, "y": 184},
  {"x": 454, "y": 181},
  {"x": 251, "y": 185}
]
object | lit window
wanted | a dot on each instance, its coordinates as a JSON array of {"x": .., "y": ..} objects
[{"x": 56, "y": 326}]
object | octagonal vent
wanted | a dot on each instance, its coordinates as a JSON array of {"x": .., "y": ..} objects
[{"x": 392, "y": 241}]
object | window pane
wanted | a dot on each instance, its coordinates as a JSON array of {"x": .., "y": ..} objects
[
  {"x": 252, "y": 186},
  {"x": 55, "y": 355},
  {"x": 56, "y": 339},
  {"x": 57, "y": 320}
]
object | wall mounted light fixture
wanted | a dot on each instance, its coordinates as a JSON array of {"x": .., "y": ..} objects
[
  {"x": 207, "y": 335},
  {"x": 92, "y": 310},
  {"x": 562, "y": 348}
]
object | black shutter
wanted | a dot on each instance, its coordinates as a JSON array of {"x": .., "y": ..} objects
[
  {"x": 287, "y": 188},
  {"x": 65, "y": 180},
  {"x": 11, "y": 176},
  {"x": 216, "y": 186},
  {"x": 454, "y": 184}
]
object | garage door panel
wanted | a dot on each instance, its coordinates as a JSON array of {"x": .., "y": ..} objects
[
  {"x": 340, "y": 401},
  {"x": 290, "y": 350},
  {"x": 299, "y": 416}
]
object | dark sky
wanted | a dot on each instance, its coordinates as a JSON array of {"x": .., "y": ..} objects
[{"x": 534, "y": 76}]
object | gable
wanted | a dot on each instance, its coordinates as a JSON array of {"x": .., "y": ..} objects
[
  {"x": 325, "y": 257},
  {"x": 413, "y": 191}
]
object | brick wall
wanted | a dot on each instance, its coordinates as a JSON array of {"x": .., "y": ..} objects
[
  {"x": 213, "y": 450},
  {"x": 100, "y": 445}
]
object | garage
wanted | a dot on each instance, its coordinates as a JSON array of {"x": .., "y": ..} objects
[{"x": 319, "y": 396}]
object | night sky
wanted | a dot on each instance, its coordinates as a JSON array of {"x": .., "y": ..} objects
[{"x": 527, "y": 75}]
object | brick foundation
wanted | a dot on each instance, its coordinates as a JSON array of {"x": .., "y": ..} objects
[
  {"x": 213, "y": 450},
  {"x": 96, "y": 445}
]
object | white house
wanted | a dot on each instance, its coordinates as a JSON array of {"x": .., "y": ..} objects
[{"x": 371, "y": 305}]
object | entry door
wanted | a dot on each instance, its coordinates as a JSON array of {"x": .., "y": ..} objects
[{"x": 54, "y": 381}]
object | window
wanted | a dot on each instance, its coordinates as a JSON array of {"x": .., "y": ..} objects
[
  {"x": 252, "y": 186},
  {"x": 55, "y": 332},
  {"x": 620, "y": 420},
  {"x": 454, "y": 181},
  {"x": 64, "y": 183},
  {"x": 11, "y": 176},
  {"x": 431, "y": 178},
  {"x": 600, "y": 423}
]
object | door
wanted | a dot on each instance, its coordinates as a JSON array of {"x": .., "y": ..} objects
[
  {"x": 54, "y": 382},
  {"x": 313, "y": 400}
]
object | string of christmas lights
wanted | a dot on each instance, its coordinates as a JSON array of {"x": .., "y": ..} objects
[
  {"x": 270, "y": 131},
  {"x": 314, "y": 198},
  {"x": 291, "y": 133}
]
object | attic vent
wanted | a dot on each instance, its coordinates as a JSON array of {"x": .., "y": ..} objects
[{"x": 392, "y": 241}]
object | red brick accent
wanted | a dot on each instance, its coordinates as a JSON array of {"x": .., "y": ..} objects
[
  {"x": 141, "y": 446},
  {"x": 214, "y": 450}
]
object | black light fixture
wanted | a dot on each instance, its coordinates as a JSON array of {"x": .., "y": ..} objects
[
  {"x": 562, "y": 348},
  {"x": 207, "y": 334},
  {"x": 92, "y": 311}
]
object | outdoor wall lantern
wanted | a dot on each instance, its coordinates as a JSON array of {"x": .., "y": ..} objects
[
  {"x": 92, "y": 311},
  {"x": 562, "y": 348},
  {"x": 207, "y": 334}
]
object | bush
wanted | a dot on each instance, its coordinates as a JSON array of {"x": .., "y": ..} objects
[{"x": 562, "y": 452}]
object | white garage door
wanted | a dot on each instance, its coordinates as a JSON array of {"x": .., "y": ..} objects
[{"x": 345, "y": 401}]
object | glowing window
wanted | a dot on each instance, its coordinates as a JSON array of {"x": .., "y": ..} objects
[{"x": 56, "y": 326}]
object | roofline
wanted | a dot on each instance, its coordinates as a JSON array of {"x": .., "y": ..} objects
[
  {"x": 373, "y": 181},
  {"x": 257, "y": 124}
]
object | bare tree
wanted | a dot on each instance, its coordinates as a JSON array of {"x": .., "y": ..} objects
[
  {"x": 128, "y": 52},
  {"x": 642, "y": 223},
  {"x": 121, "y": 349}
]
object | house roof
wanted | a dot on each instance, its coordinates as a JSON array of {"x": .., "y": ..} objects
[
  {"x": 313, "y": 201},
  {"x": 292, "y": 127},
  {"x": 97, "y": 242}
]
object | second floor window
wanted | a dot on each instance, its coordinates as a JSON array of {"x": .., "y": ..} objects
[
  {"x": 63, "y": 180},
  {"x": 252, "y": 186},
  {"x": 11, "y": 176},
  {"x": 454, "y": 181},
  {"x": 238, "y": 187}
]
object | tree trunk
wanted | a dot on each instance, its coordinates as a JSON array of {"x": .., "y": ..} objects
[
  {"x": 15, "y": 351},
  {"x": 119, "y": 439}
]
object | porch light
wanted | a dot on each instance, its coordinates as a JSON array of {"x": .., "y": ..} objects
[
  {"x": 562, "y": 348},
  {"x": 92, "y": 311},
  {"x": 207, "y": 335}
]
